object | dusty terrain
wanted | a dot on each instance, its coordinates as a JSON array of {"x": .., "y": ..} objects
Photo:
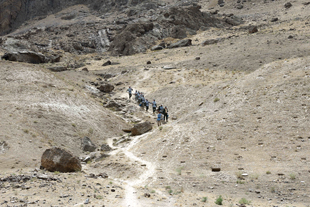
[{"x": 238, "y": 119}]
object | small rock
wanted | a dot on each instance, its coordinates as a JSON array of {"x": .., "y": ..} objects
[
  {"x": 288, "y": 5},
  {"x": 86, "y": 201},
  {"x": 197, "y": 58},
  {"x": 168, "y": 67},
  {"x": 274, "y": 19},
  {"x": 107, "y": 63},
  {"x": 85, "y": 69},
  {"x": 290, "y": 37},
  {"x": 239, "y": 6},
  {"x": 148, "y": 62},
  {"x": 88, "y": 145},
  {"x": 147, "y": 195},
  {"x": 253, "y": 29}
]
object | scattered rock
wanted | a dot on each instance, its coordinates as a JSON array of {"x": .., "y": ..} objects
[
  {"x": 197, "y": 58},
  {"x": 239, "y": 6},
  {"x": 216, "y": 169},
  {"x": 107, "y": 63},
  {"x": 211, "y": 41},
  {"x": 88, "y": 145},
  {"x": 141, "y": 128},
  {"x": 127, "y": 130},
  {"x": 168, "y": 67},
  {"x": 106, "y": 88},
  {"x": 85, "y": 69},
  {"x": 105, "y": 147},
  {"x": 181, "y": 43},
  {"x": 290, "y": 37},
  {"x": 147, "y": 195},
  {"x": 103, "y": 175},
  {"x": 288, "y": 5},
  {"x": 3, "y": 147},
  {"x": 58, "y": 68},
  {"x": 253, "y": 29},
  {"x": 148, "y": 62},
  {"x": 57, "y": 159},
  {"x": 274, "y": 19}
]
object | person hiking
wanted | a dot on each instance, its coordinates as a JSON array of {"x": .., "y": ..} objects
[
  {"x": 130, "y": 91},
  {"x": 142, "y": 103},
  {"x": 146, "y": 105},
  {"x": 154, "y": 106},
  {"x": 159, "y": 116},
  {"x": 136, "y": 95},
  {"x": 165, "y": 112},
  {"x": 161, "y": 108},
  {"x": 139, "y": 98}
]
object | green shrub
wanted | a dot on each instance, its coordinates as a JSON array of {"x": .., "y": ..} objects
[
  {"x": 219, "y": 200},
  {"x": 204, "y": 199},
  {"x": 244, "y": 201}
]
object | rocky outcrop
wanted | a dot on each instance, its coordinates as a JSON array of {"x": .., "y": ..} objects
[
  {"x": 128, "y": 41},
  {"x": 106, "y": 88},
  {"x": 29, "y": 57},
  {"x": 181, "y": 43},
  {"x": 57, "y": 159},
  {"x": 14, "y": 12},
  {"x": 88, "y": 145},
  {"x": 141, "y": 128}
]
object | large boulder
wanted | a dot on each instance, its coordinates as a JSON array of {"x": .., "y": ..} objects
[
  {"x": 141, "y": 128},
  {"x": 106, "y": 88},
  {"x": 181, "y": 43},
  {"x": 88, "y": 145},
  {"x": 31, "y": 57},
  {"x": 57, "y": 159},
  {"x": 25, "y": 56}
]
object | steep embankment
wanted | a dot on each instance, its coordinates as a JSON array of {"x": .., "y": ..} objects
[{"x": 40, "y": 109}]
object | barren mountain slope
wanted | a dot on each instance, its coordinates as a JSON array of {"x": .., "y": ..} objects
[
  {"x": 40, "y": 109},
  {"x": 238, "y": 115}
]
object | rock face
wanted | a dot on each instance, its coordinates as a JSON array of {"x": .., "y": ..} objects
[
  {"x": 141, "y": 128},
  {"x": 57, "y": 159},
  {"x": 128, "y": 42},
  {"x": 88, "y": 145},
  {"x": 14, "y": 12}
]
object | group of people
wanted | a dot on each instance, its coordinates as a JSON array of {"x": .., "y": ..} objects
[{"x": 143, "y": 102}]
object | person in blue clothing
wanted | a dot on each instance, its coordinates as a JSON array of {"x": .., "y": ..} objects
[
  {"x": 130, "y": 91},
  {"x": 161, "y": 109},
  {"x": 154, "y": 106},
  {"x": 146, "y": 105},
  {"x": 159, "y": 117}
]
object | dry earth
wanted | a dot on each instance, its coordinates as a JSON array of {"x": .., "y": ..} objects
[{"x": 238, "y": 122}]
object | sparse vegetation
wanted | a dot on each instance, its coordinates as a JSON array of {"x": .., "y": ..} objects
[
  {"x": 216, "y": 100},
  {"x": 244, "y": 201},
  {"x": 179, "y": 170},
  {"x": 268, "y": 172},
  {"x": 204, "y": 199},
  {"x": 292, "y": 176},
  {"x": 219, "y": 200}
]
